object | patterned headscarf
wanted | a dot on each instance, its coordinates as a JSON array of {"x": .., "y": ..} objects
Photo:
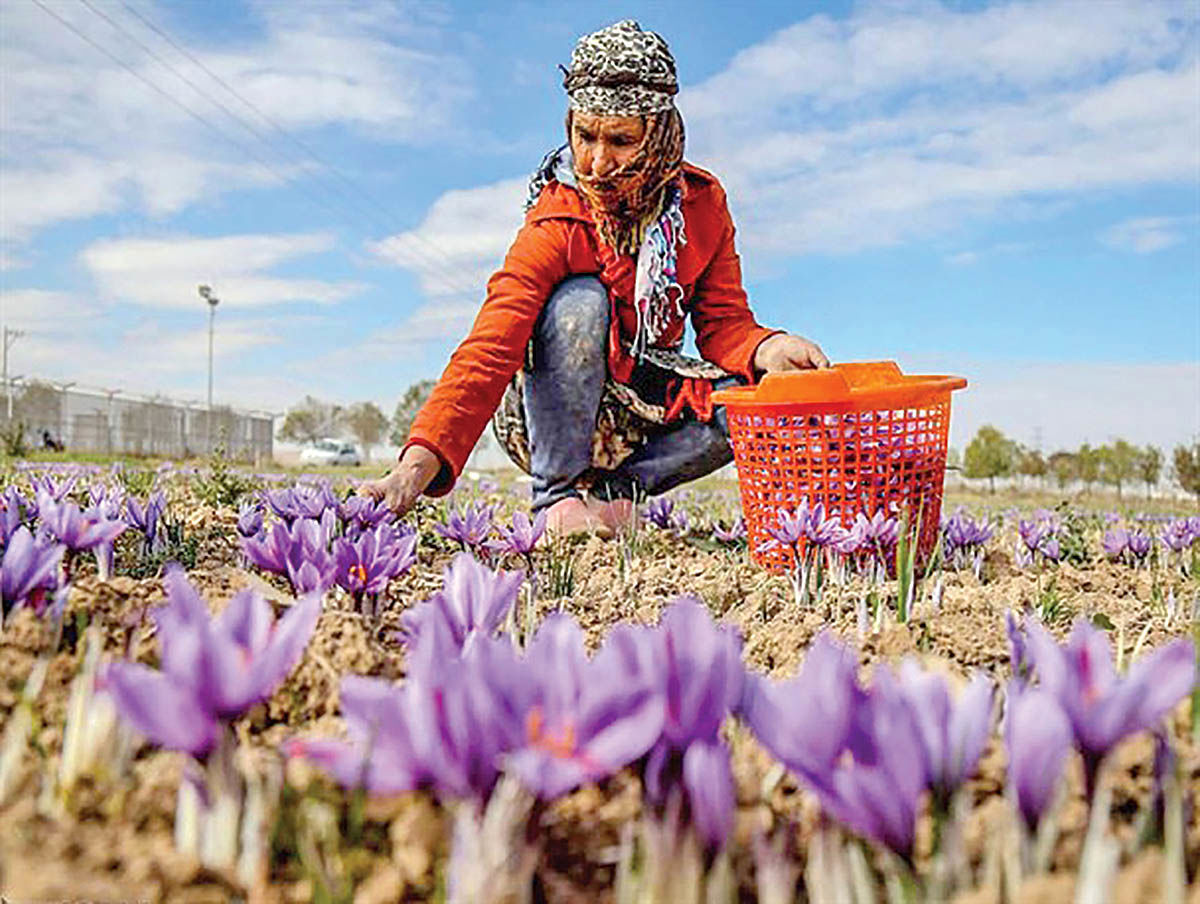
[{"x": 621, "y": 71}]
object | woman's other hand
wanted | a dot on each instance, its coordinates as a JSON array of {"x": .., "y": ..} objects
[
  {"x": 784, "y": 351},
  {"x": 406, "y": 481}
]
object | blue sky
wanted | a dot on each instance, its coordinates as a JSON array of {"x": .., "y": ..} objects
[{"x": 1007, "y": 191}]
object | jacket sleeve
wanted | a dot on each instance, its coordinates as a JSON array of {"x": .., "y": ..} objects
[
  {"x": 470, "y": 388},
  {"x": 726, "y": 332}
]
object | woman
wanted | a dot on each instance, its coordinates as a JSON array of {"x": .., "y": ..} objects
[{"x": 575, "y": 352}]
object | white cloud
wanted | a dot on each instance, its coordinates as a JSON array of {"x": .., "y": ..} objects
[
  {"x": 104, "y": 141},
  {"x": 45, "y": 311},
  {"x": 462, "y": 239},
  {"x": 906, "y": 120},
  {"x": 166, "y": 272},
  {"x": 1143, "y": 235}
]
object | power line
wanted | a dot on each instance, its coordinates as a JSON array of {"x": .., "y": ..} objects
[
  {"x": 266, "y": 164},
  {"x": 445, "y": 283},
  {"x": 312, "y": 155}
]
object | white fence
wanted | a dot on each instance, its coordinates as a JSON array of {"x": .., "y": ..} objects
[{"x": 116, "y": 424}]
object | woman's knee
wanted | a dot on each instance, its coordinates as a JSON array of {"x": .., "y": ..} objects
[
  {"x": 578, "y": 303},
  {"x": 574, "y": 323}
]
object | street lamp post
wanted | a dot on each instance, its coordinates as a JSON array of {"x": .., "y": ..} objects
[
  {"x": 10, "y": 336},
  {"x": 206, "y": 293}
]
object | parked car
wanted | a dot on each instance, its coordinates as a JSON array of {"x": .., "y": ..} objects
[{"x": 331, "y": 452}]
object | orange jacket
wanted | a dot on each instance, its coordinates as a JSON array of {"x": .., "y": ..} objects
[{"x": 559, "y": 240}]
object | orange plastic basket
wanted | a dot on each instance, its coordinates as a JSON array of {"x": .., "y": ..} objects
[{"x": 860, "y": 437}]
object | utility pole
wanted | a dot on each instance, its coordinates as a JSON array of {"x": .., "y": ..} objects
[
  {"x": 108, "y": 420},
  {"x": 206, "y": 293},
  {"x": 10, "y": 336},
  {"x": 62, "y": 388}
]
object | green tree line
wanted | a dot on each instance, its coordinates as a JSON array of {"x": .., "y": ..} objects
[{"x": 1119, "y": 464}]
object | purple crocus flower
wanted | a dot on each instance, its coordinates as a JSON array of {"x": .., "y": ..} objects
[
  {"x": 1115, "y": 542},
  {"x": 953, "y": 734},
  {"x": 1140, "y": 544},
  {"x": 73, "y": 528},
  {"x": 470, "y": 528},
  {"x": 367, "y": 564},
  {"x": 213, "y": 670},
  {"x": 697, "y": 667},
  {"x": 524, "y": 534},
  {"x": 584, "y": 719},
  {"x": 300, "y": 553},
  {"x": 879, "y": 796},
  {"x": 820, "y": 530},
  {"x": 1037, "y": 739},
  {"x": 473, "y": 601},
  {"x": 1104, "y": 708},
  {"x": 301, "y": 501},
  {"x": 379, "y": 753},
  {"x": 1018, "y": 653},
  {"x": 250, "y": 519},
  {"x": 1033, "y": 533},
  {"x": 807, "y": 721},
  {"x": 735, "y": 534},
  {"x": 28, "y": 569},
  {"x": 145, "y": 518},
  {"x": 880, "y": 532},
  {"x": 363, "y": 512},
  {"x": 659, "y": 512},
  {"x": 15, "y": 506},
  {"x": 1177, "y": 536}
]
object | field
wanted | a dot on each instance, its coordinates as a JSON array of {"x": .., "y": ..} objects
[{"x": 607, "y": 781}]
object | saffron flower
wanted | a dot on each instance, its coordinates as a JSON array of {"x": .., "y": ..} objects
[
  {"x": 74, "y": 529},
  {"x": 1140, "y": 544},
  {"x": 300, "y": 553},
  {"x": 1037, "y": 739},
  {"x": 473, "y": 601},
  {"x": 584, "y": 719},
  {"x": 367, "y": 564},
  {"x": 1115, "y": 542},
  {"x": 250, "y": 519},
  {"x": 524, "y": 534},
  {"x": 953, "y": 733},
  {"x": 697, "y": 668},
  {"x": 15, "y": 506},
  {"x": 378, "y": 755},
  {"x": 807, "y": 721},
  {"x": 878, "y": 795},
  {"x": 470, "y": 528},
  {"x": 1104, "y": 708},
  {"x": 213, "y": 670},
  {"x": 735, "y": 534},
  {"x": 660, "y": 512},
  {"x": 28, "y": 569}
]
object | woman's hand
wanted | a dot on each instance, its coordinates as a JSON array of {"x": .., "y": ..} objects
[
  {"x": 401, "y": 487},
  {"x": 786, "y": 352}
]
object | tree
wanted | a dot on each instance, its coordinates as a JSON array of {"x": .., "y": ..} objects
[
  {"x": 990, "y": 454},
  {"x": 1187, "y": 467},
  {"x": 1030, "y": 463},
  {"x": 1087, "y": 465},
  {"x": 309, "y": 421},
  {"x": 410, "y": 404},
  {"x": 1118, "y": 463},
  {"x": 366, "y": 424},
  {"x": 1149, "y": 466},
  {"x": 1064, "y": 466}
]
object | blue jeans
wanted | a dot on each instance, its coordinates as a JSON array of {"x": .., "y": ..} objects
[{"x": 562, "y": 398}]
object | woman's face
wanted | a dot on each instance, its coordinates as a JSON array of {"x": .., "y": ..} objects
[{"x": 601, "y": 144}]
